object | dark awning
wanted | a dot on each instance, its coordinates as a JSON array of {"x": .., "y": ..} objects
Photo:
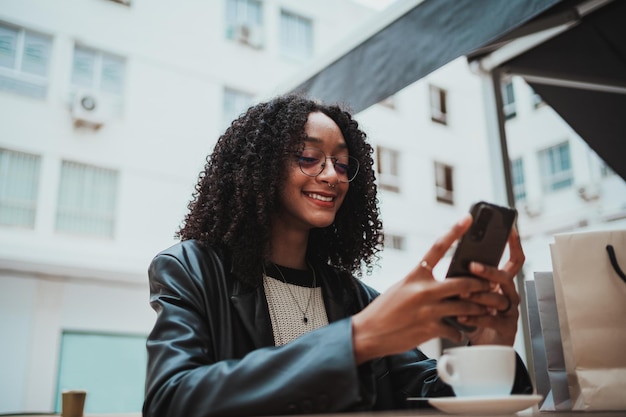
[
  {"x": 580, "y": 72},
  {"x": 415, "y": 43}
]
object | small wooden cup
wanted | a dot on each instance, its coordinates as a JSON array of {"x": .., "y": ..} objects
[{"x": 73, "y": 403}]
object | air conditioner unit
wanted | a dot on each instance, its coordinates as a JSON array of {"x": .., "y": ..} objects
[
  {"x": 88, "y": 109},
  {"x": 248, "y": 35},
  {"x": 533, "y": 208},
  {"x": 589, "y": 192}
]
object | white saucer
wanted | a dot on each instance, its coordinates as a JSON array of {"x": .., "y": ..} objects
[{"x": 485, "y": 405}]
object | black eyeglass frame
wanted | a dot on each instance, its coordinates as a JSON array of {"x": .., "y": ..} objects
[{"x": 351, "y": 161}]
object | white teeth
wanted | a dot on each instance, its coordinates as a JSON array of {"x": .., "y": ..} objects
[{"x": 320, "y": 197}]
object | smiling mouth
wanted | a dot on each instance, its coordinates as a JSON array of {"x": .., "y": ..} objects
[{"x": 320, "y": 197}]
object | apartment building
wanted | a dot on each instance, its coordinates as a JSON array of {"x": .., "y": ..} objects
[
  {"x": 560, "y": 184},
  {"x": 108, "y": 110},
  {"x": 107, "y": 113},
  {"x": 433, "y": 162}
]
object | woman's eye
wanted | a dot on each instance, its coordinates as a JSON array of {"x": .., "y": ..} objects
[
  {"x": 308, "y": 160},
  {"x": 341, "y": 168}
]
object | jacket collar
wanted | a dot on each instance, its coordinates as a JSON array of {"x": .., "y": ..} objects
[{"x": 251, "y": 305}]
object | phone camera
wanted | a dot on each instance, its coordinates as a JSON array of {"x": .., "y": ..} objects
[{"x": 477, "y": 232}]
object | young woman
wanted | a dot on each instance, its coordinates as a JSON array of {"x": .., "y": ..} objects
[{"x": 258, "y": 308}]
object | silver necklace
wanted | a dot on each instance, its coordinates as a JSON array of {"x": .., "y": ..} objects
[{"x": 304, "y": 312}]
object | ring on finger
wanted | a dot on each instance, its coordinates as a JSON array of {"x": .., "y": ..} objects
[
  {"x": 426, "y": 265},
  {"x": 508, "y": 306}
]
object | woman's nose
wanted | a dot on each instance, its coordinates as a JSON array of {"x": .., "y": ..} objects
[{"x": 328, "y": 172}]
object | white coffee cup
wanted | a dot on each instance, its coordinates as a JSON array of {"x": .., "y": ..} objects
[{"x": 478, "y": 371}]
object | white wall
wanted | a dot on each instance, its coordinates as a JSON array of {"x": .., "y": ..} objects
[
  {"x": 33, "y": 313},
  {"x": 177, "y": 64}
]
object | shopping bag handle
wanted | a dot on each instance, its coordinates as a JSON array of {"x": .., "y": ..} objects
[{"x": 618, "y": 270}]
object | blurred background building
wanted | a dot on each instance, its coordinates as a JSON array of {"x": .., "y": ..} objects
[{"x": 108, "y": 109}]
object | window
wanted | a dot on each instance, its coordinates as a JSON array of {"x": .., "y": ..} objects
[
  {"x": 235, "y": 103},
  {"x": 394, "y": 241},
  {"x": 98, "y": 84},
  {"x": 96, "y": 70},
  {"x": 556, "y": 167},
  {"x": 19, "y": 182},
  {"x": 517, "y": 174},
  {"x": 87, "y": 200},
  {"x": 296, "y": 36},
  {"x": 536, "y": 99},
  {"x": 387, "y": 161},
  {"x": 438, "y": 106},
  {"x": 508, "y": 98},
  {"x": 244, "y": 21},
  {"x": 24, "y": 59},
  {"x": 444, "y": 183},
  {"x": 605, "y": 170},
  {"x": 111, "y": 367}
]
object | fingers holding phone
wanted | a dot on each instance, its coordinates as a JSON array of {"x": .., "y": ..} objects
[
  {"x": 484, "y": 242},
  {"x": 438, "y": 250}
]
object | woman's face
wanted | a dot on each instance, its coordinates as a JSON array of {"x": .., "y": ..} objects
[{"x": 313, "y": 201}]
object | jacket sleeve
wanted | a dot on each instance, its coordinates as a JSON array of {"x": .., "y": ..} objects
[
  {"x": 185, "y": 378},
  {"x": 413, "y": 374}
]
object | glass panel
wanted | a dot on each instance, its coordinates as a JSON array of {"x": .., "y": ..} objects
[
  {"x": 387, "y": 161},
  {"x": 112, "y": 74},
  {"x": 296, "y": 35},
  {"x": 111, "y": 367},
  {"x": 19, "y": 182},
  {"x": 87, "y": 199},
  {"x": 444, "y": 183},
  {"x": 556, "y": 167},
  {"x": 395, "y": 241},
  {"x": 231, "y": 12},
  {"x": 8, "y": 45},
  {"x": 235, "y": 103},
  {"x": 605, "y": 170},
  {"x": 36, "y": 54},
  {"x": 84, "y": 67},
  {"x": 242, "y": 12},
  {"x": 517, "y": 174},
  {"x": 255, "y": 13},
  {"x": 437, "y": 104},
  {"x": 21, "y": 86},
  {"x": 434, "y": 98},
  {"x": 508, "y": 97}
]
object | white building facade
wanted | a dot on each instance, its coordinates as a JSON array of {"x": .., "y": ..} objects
[
  {"x": 107, "y": 112},
  {"x": 560, "y": 183}
]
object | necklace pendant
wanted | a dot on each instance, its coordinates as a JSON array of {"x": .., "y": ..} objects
[{"x": 305, "y": 320}]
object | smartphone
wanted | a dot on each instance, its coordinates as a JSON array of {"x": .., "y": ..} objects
[{"x": 484, "y": 242}]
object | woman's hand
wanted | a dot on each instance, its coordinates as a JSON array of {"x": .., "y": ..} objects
[
  {"x": 411, "y": 311},
  {"x": 500, "y": 325}
]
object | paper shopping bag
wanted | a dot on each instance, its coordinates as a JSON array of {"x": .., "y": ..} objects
[
  {"x": 540, "y": 368},
  {"x": 591, "y": 303},
  {"x": 558, "y": 398}
]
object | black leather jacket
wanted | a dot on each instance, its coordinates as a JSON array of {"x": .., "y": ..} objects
[{"x": 211, "y": 351}]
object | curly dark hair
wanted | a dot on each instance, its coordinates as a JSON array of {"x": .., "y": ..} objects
[{"x": 238, "y": 191}]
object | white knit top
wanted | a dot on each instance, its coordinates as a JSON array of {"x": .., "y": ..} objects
[{"x": 287, "y": 318}]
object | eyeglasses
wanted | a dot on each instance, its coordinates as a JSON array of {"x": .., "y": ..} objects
[{"x": 312, "y": 162}]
